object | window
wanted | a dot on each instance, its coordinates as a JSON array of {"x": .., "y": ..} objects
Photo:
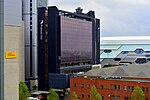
[
  {"x": 141, "y": 60},
  {"x": 115, "y": 87},
  {"x": 111, "y": 87},
  {"x": 139, "y": 51},
  {"x": 147, "y": 51},
  {"x": 118, "y": 87},
  {"x": 102, "y": 97},
  {"x": 117, "y": 59},
  {"x": 132, "y": 88},
  {"x": 75, "y": 85},
  {"x": 147, "y": 89},
  {"x": 30, "y": 22},
  {"x": 148, "y": 59},
  {"x": 30, "y": 26},
  {"x": 128, "y": 88},
  {"x": 82, "y": 85},
  {"x": 107, "y": 51},
  {"x": 30, "y": 16},
  {"x": 147, "y": 55},
  {"x": 124, "y": 52},
  {"x": 125, "y": 88},
  {"x": 126, "y": 98},
  {"x": 118, "y": 98},
  {"x": 30, "y": 4},
  {"x": 112, "y": 97},
  {"x": 101, "y": 87},
  {"x": 88, "y": 96},
  {"x": 30, "y": 9},
  {"x": 143, "y": 89},
  {"x": 88, "y": 85},
  {"x": 82, "y": 95}
]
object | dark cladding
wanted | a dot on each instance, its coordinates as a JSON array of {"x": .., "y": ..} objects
[
  {"x": 69, "y": 40},
  {"x": 76, "y": 40}
]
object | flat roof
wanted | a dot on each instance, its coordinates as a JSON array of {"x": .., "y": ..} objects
[
  {"x": 74, "y": 67},
  {"x": 39, "y": 92},
  {"x": 131, "y": 79}
]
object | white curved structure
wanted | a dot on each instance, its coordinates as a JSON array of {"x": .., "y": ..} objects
[{"x": 119, "y": 47}]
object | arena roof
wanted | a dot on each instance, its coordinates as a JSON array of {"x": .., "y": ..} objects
[{"x": 132, "y": 70}]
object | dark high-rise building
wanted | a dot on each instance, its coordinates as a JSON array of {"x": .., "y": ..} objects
[{"x": 66, "y": 39}]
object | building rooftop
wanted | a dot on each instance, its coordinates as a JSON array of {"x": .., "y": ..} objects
[
  {"x": 132, "y": 70},
  {"x": 39, "y": 92}
]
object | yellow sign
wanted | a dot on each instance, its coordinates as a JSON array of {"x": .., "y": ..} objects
[{"x": 10, "y": 55}]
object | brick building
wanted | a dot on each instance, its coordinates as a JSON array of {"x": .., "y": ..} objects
[{"x": 111, "y": 88}]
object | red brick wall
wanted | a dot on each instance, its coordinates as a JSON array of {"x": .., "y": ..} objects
[{"x": 106, "y": 92}]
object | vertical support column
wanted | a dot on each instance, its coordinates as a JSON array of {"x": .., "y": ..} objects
[
  {"x": 97, "y": 39},
  {"x": 1, "y": 49},
  {"x": 30, "y": 29}
]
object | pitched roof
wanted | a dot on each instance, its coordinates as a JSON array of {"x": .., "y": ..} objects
[{"x": 133, "y": 70}]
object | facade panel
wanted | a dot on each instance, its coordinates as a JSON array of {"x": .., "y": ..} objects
[
  {"x": 76, "y": 40},
  {"x": 27, "y": 29},
  {"x": 13, "y": 68},
  {"x": 42, "y": 3},
  {"x": 13, "y": 12},
  {"x": 41, "y": 49},
  {"x": 53, "y": 40}
]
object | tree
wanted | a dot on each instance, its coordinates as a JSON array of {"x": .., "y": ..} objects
[
  {"x": 34, "y": 87},
  {"x": 95, "y": 94},
  {"x": 138, "y": 94},
  {"x": 23, "y": 91},
  {"x": 74, "y": 96},
  {"x": 53, "y": 95}
]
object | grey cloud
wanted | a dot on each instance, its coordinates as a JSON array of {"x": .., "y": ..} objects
[{"x": 118, "y": 17}]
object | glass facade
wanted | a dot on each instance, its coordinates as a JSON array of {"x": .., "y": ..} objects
[{"x": 76, "y": 40}]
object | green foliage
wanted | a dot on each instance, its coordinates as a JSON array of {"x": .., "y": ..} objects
[
  {"x": 95, "y": 94},
  {"x": 138, "y": 94},
  {"x": 106, "y": 66},
  {"x": 53, "y": 95},
  {"x": 23, "y": 91},
  {"x": 34, "y": 87},
  {"x": 74, "y": 96},
  {"x": 109, "y": 65}
]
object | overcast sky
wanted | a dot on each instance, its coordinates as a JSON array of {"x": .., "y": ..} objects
[{"x": 118, "y": 17}]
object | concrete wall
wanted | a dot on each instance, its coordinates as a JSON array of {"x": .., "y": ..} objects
[{"x": 13, "y": 68}]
